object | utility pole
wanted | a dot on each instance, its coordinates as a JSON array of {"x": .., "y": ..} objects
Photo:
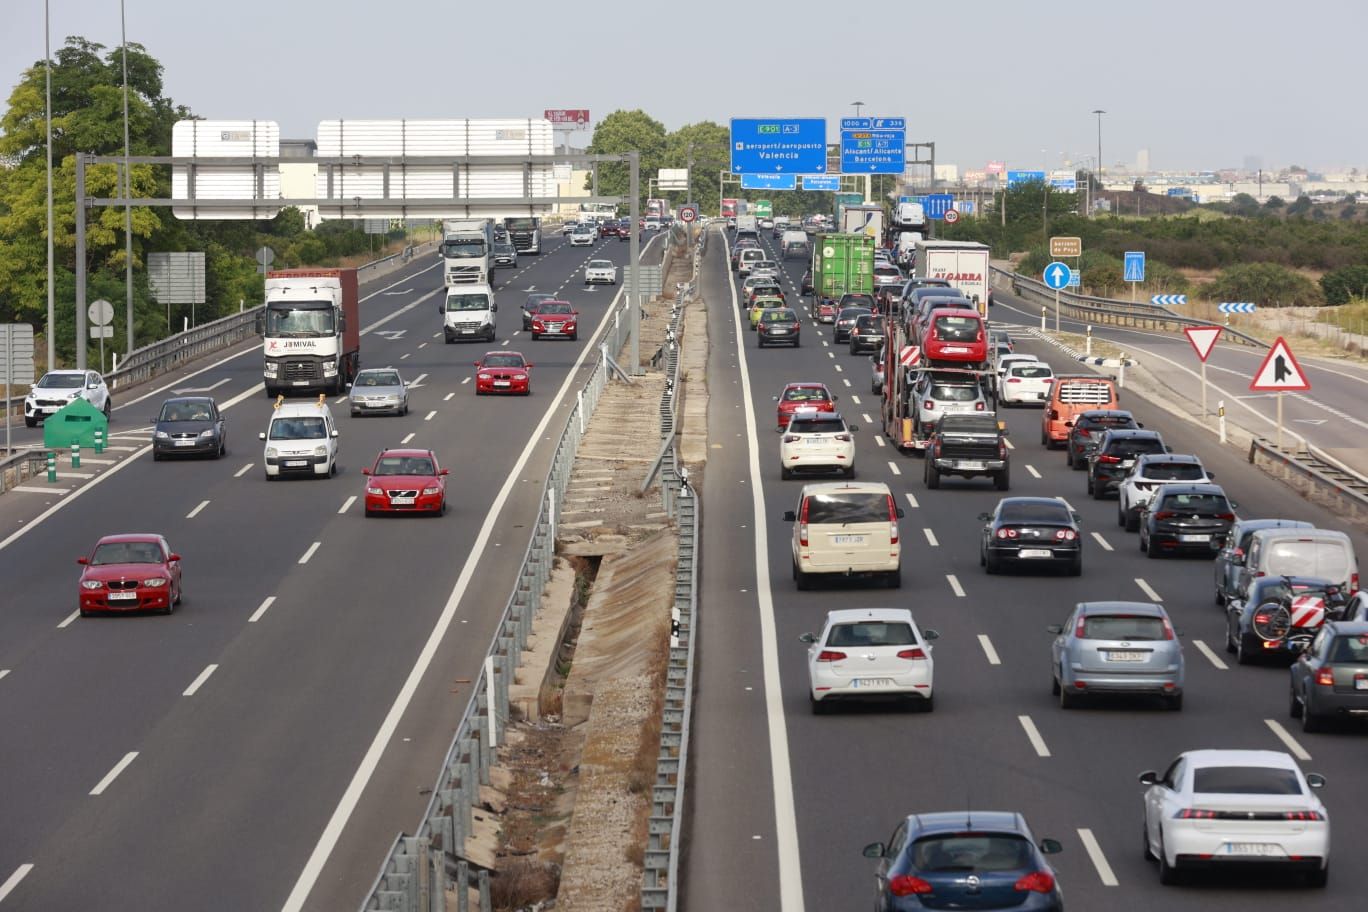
[
  {"x": 128, "y": 183},
  {"x": 51, "y": 278},
  {"x": 1099, "y": 112}
]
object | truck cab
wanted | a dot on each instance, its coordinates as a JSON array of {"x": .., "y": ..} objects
[
  {"x": 468, "y": 313},
  {"x": 301, "y": 439}
]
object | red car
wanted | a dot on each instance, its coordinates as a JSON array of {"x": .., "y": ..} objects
[
  {"x": 955, "y": 337},
  {"x": 130, "y": 573},
  {"x": 503, "y": 372},
  {"x": 803, "y": 396},
  {"x": 555, "y": 318},
  {"x": 405, "y": 481},
  {"x": 824, "y": 311}
]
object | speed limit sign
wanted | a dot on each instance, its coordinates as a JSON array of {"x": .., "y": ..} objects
[
  {"x": 687, "y": 213},
  {"x": 951, "y": 216}
]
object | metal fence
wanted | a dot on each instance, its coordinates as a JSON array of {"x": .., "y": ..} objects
[{"x": 17, "y": 468}]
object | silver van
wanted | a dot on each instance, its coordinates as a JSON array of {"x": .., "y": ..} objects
[
  {"x": 1322, "y": 553},
  {"x": 1230, "y": 560}
]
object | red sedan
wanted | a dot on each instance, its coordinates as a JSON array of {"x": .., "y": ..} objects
[
  {"x": 555, "y": 318},
  {"x": 797, "y": 396},
  {"x": 130, "y": 573},
  {"x": 406, "y": 481},
  {"x": 503, "y": 372}
]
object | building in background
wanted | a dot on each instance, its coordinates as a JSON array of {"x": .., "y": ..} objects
[{"x": 299, "y": 181}]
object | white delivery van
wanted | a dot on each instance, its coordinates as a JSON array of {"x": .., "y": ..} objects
[
  {"x": 468, "y": 313},
  {"x": 845, "y": 529},
  {"x": 301, "y": 439},
  {"x": 1323, "y": 553}
]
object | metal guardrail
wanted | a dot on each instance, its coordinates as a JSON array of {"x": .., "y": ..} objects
[
  {"x": 17, "y": 468},
  {"x": 1319, "y": 480}
]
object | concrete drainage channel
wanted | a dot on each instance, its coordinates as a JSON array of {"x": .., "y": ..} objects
[{"x": 563, "y": 780}]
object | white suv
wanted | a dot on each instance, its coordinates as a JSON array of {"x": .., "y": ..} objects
[
  {"x": 817, "y": 441},
  {"x": 300, "y": 440},
  {"x": 843, "y": 529},
  {"x": 55, "y": 390}
]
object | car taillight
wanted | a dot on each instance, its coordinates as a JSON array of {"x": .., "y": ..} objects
[
  {"x": 831, "y": 655},
  {"x": 1006, "y": 533},
  {"x": 907, "y": 885},
  {"x": 1054, "y": 414},
  {"x": 1262, "y": 617},
  {"x": 1353, "y": 582},
  {"x": 928, "y": 404},
  {"x": 978, "y": 406},
  {"x": 1169, "y": 514},
  {"x": 844, "y": 438},
  {"x": 1013, "y": 380},
  {"x": 1303, "y": 815},
  {"x": 915, "y": 653},
  {"x": 1049, "y": 380},
  {"x": 892, "y": 520},
  {"x": 1109, "y": 460},
  {"x": 1036, "y": 882},
  {"x": 803, "y": 525},
  {"x": 1082, "y": 432},
  {"x": 537, "y": 324},
  {"x": 1002, "y": 448},
  {"x": 1066, "y": 535},
  {"x": 1325, "y": 676},
  {"x": 1196, "y": 814},
  {"x": 1168, "y": 630},
  {"x": 1080, "y": 626},
  {"x": 1228, "y": 517}
]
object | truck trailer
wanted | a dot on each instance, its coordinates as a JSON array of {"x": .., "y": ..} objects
[
  {"x": 964, "y": 264},
  {"x": 842, "y": 264}
]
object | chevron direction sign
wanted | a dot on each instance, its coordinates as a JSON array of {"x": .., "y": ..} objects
[
  {"x": 1236, "y": 307},
  {"x": 1168, "y": 300}
]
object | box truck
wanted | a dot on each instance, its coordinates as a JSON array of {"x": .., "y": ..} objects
[{"x": 964, "y": 264}]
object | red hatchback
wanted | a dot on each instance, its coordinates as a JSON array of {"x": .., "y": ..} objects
[
  {"x": 797, "y": 396},
  {"x": 956, "y": 338},
  {"x": 503, "y": 372},
  {"x": 405, "y": 481},
  {"x": 136, "y": 572}
]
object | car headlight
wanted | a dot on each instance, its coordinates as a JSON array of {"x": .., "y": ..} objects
[
  {"x": 155, "y": 582},
  {"x": 162, "y": 435},
  {"x": 271, "y": 453},
  {"x": 375, "y": 492},
  {"x": 520, "y": 376},
  {"x": 432, "y": 490},
  {"x": 485, "y": 376},
  {"x": 208, "y": 432},
  {"x": 271, "y": 368},
  {"x": 73, "y": 394},
  {"x": 321, "y": 451},
  {"x": 329, "y": 368},
  {"x": 91, "y": 584}
]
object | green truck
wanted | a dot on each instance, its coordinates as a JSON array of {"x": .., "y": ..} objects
[
  {"x": 763, "y": 209},
  {"x": 842, "y": 264}
]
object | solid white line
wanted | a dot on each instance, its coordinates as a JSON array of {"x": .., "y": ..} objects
[
  {"x": 69, "y": 618},
  {"x": 256, "y": 615},
  {"x": 931, "y": 538},
  {"x": 199, "y": 682},
  {"x": 422, "y": 345},
  {"x": 911, "y": 500},
  {"x": 1212, "y": 657},
  {"x": 243, "y": 471},
  {"x": 1009, "y": 443},
  {"x": 62, "y": 473},
  {"x": 346, "y": 504},
  {"x": 332, "y": 831},
  {"x": 1034, "y": 735},
  {"x": 421, "y": 377},
  {"x": 955, "y": 584},
  {"x": 28, "y": 489},
  {"x": 4, "y": 672},
  {"x": 430, "y": 415},
  {"x": 1104, "y": 870},
  {"x": 1297, "y": 750},
  {"x": 19, "y": 874},
  {"x": 1145, "y": 588},
  {"x": 195, "y": 512},
  {"x": 1032, "y": 470},
  {"x": 114, "y": 773},
  {"x": 1106, "y": 545},
  {"x": 893, "y": 467},
  {"x": 310, "y": 553},
  {"x": 988, "y": 649},
  {"x": 404, "y": 355}
]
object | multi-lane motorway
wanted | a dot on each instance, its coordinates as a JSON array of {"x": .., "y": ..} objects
[
  {"x": 782, "y": 801},
  {"x": 261, "y": 747}
]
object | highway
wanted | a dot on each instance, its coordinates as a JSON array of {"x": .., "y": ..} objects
[
  {"x": 783, "y": 801},
  {"x": 261, "y": 747}
]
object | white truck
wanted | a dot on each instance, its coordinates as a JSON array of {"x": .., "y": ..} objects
[
  {"x": 747, "y": 224},
  {"x": 964, "y": 264},
  {"x": 311, "y": 330},
  {"x": 468, "y": 313},
  {"x": 467, "y": 251},
  {"x": 865, "y": 218},
  {"x": 905, "y": 245}
]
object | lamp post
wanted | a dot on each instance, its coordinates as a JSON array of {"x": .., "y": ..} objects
[
  {"x": 51, "y": 294},
  {"x": 128, "y": 195},
  {"x": 1099, "y": 112}
]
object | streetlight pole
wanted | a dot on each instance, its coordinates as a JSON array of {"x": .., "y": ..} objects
[
  {"x": 51, "y": 270},
  {"x": 128, "y": 206},
  {"x": 1099, "y": 112}
]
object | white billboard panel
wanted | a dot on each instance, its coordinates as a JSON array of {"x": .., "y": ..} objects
[{"x": 210, "y": 139}]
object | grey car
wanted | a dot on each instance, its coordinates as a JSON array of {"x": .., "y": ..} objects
[
  {"x": 379, "y": 389},
  {"x": 1230, "y": 559},
  {"x": 189, "y": 426},
  {"x": 1116, "y": 648},
  {"x": 1330, "y": 678},
  {"x": 505, "y": 255}
]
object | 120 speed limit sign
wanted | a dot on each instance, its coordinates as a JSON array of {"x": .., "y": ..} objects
[{"x": 951, "y": 216}]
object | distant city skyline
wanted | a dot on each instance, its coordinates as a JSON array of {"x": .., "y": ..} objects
[{"x": 1200, "y": 87}]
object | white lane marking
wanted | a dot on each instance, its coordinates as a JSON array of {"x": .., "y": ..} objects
[
  {"x": 422, "y": 345},
  {"x": 310, "y": 553},
  {"x": 1104, "y": 870},
  {"x": 1106, "y": 545},
  {"x": 447, "y": 397},
  {"x": 418, "y": 381},
  {"x": 404, "y": 356},
  {"x": 196, "y": 512},
  {"x": 407, "y": 438},
  {"x": 845, "y": 381},
  {"x": 931, "y": 538},
  {"x": 243, "y": 471},
  {"x": 30, "y": 489},
  {"x": 855, "y": 400},
  {"x": 256, "y": 615},
  {"x": 199, "y": 681},
  {"x": 955, "y": 584},
  {"x": 825, "y": 344},
  {"x": 430, "y": 415},
  {"x": 866, "y": 417},
  {"x": 69, "y": 618},
  {"x": 879, "y": 441},
  {"x": 346, "y": 504},
  {"x": 1146, "y": 588},
  {"x": 339, "y": 400},
  {"x": 19, "y": 874},
  {"x": 838, "y": 367},
  {"x": 1297, "y": 750},
  {"x": 3, "y": 673},
  {"x": 1212, "y": 657},
  {"x": 988, "y": 649},
  {"x": 1032, "y": 470},
  {"x": 114, "y": 773},
  {"x": 465, "y": 381},
  {"x": 893, "y": 467},
  {"x": 1033, "y": 734},
  {"x": 346, "y": 804},
  {"x": 911, "y": 500},
  {"x": 831, "y": 354}
]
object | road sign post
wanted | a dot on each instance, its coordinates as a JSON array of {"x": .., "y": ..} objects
[
  {"x": 1280, "y": 373},
  {"x": 1135, "y": 269},
  {"x": 1203, "y": 339},
  {"x": 1056, "y": 276},
  {"x": 778, "y": 145}
]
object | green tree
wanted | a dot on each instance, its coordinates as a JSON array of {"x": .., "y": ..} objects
[
  {"x": 1341, "y": 285},
  {"x": 1266, "y": 284},
  {"x": 627, "y": 131},
  {"x": 705, "y": 144},
  {"x": 1243, "y": 204},
  {"x": 1300, "y": 206},
  {"x": 1274, "y": 203}
]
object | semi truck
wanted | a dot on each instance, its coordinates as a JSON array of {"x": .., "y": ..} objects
[
  {"x": 964, "y": 264},
  {"x": 525, "y": 233},
  {"x": 311, "y": 330},
  {"x": 728, "y": 208},
  {"x": 658, "y": 208},
  {"x": 467, "y": 251},
  {"x": 842, "y": 264},
  {"x": 865, "y": 218}
]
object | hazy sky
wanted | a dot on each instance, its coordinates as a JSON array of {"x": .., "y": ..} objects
[{"x": 1200, "y": 84}]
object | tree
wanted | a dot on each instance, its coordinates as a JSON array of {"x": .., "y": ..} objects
[
  {"x": 1243, "y": 204},
  {"x": 627, "y": 131},
  {"x": 1266, "y": 284},
  {"x": 1300, "y": 206},
  {"x": 1274, "y": 203},
  {"x": 1340, "y": 285},
  {"x": 706, "y": 144}
]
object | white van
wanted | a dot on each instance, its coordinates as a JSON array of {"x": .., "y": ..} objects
[
  {"x": 468, "y": 313},
  {"x": 301, "y": 439},
  {"x": 1323, "y": 553},
  {"x": 846, "y": 529}
]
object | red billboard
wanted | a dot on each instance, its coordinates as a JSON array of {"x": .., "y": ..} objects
[{"x": 576, "y": 117}]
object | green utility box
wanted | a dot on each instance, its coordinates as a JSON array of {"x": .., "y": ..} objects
[
  {"x": 76, "y": 423},
  {"x": 842, "y": 264}
]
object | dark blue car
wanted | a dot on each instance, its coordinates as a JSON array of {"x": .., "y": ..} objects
[
  {"x": 965, "y": 860},
  {"x": 1280, "y": 615}
]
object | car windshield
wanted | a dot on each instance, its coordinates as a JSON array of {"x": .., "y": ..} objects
[
  {"x": 969, "y": 424},
  {"x": 872, "y": 633},
  {"x": 126, "y": 553},
  {"x": 818, "y": 426},
  {"x": 378, "y": 378},
  {"x": 857, "y": 300},
  {"x": 1122, "y": 627},
  {"x": 806, "y": 394},
  {"x": 1349, "y": 650},
  {"x": 1195, "y": 503},
  {"x": 1055, "y": 513},
  {"x": 503, "y": 247},
  {"x": 1245, "y": 780},
  {"x": 454, "y": 250},
  {"x": 402, "y": 465},
  {"x": 1105, "y": 420},
  {"x": 554, "y": 307},
  {"x": 870, "y": 323},
  {"x": 185, "y": 411},
  {"x": 848, "y": 507},
  {"x": 1031, "y": 371},
  {"x": 955, "y": 852},
  {"x": 533, "y": 299},
  {"x": 1174, "y": 471},
  {"x": 765, "y": 289},
  {"x": 502, "y": 360},
  {"x": 460, "y": 302},
  {"x": 1135, "y": 446},
  {"x": 300, "y": 322},
  {"x": 600, "y": 264},
  {"x": 301, "y": 428},
  {"x": 851, "y": 314},
  {"x": 61, "y": 381},
  {"x": 957, "y": 329},
  {"x": 777, "y": 315},
  {"x": 950, "y": 392}
]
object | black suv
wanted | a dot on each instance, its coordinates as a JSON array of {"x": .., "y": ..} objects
[
  {"x": 868, "y": 334},
  {"x": 845, "y": 322},
  {"x": 968, "y": 446},
  {"x": 1116, "y": 453},
  {"x": 1186, "y": 517},
  {"x": 1087, "y": 429}
]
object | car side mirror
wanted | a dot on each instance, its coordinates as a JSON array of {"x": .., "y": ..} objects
[
  {"x": 1139, "y": 425},
  {"x": 775, "y": 398},
  {"x": 899, "y": 513},
  {"x": 365, "y": 471},
  {"x": 334, "y": 433},
  {"x": 1076, "y": 518},
  {"x": 174, "y": 558},
  {"x": 444, "y": 472},
  {"x": 1051, "y": 846},
  {"x": 529, "y": 365},
  {"x": 261, "y": 436},
  {"x": 1149, "y": 777},
  {"x": 1210, "y": 474},
  {"x": 1055, "y": 629},
  {"x": 790, "y": 516},
  {"x": 985, "y": 517},
  {"x": 808, "y": 638},
  {"x": 83, "y": 561},
  {"x": 930, "y": 633},
  {"x": 476, "y": 363},
  {"x": 260, "y": 325},
  {"x": 1234, "y": 505},
  {"x": 1315, "y": 780},
  {"x": 874, "y": 850},
  {"x": 1069, "y": 423},
  {"x": 1168, "y": 449},
  {"x": 439, "y": 308}
]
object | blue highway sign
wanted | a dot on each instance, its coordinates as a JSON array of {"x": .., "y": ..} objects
[
  {"x": 1067, "y": 184},
  {"x": 769, "y": 181},
  {"x": 1057, "y": 275},
  {"x": 937, "y": 204},
  {"x": 1236, "y": 307},
  {"x": 873, "y": 151},
  {"x": 1168, "y": 300},
  {"x": 1075, "y": 278},
  {"x": 775, "y": 145},
  {"x": 821, "y": 182},
  {"x": 1024, "y": 177},
  {"x": 1135, "y": 266}
]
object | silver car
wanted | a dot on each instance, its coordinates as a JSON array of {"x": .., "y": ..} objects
[
  {"x": 946, "y": 392},
  {"x": 378, "y": 389},
  {"x": 1116, "y": 648}
]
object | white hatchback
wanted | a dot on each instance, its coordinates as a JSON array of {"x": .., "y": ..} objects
[
  {"x": 1025, "y": 381},
  {"x": 865, "y": 653},
  {"x": 819, "y": 442},
  {"x": 57, "y": 388}
]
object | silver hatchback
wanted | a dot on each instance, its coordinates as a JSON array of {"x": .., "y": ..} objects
[{"x": 1116, "y": 648}]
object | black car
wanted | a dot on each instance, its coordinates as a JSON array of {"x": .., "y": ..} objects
[
  {"x": 1087, "y": 430},
  {"x": 858, "y": 299},
  {"x": 1116, "y": 453},
  {"x": 1186, "y": 517},
  {"x": 189, "y": 426},
  {"x": 867, "y": 334},
  {"x": 529, "y": 307},
  {"x": 968, "y": 446},
  {"x": 806, "y": 286},
  {"x": 1031, "y": 530},
  {"x": 778, "y": 326},
  {"x": 1281, "y": 616},
  {"x": 845, "y": 322}
]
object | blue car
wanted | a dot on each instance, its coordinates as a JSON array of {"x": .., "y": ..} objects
[{"x": 965, "y": 860}]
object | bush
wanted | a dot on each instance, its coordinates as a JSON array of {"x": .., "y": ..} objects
[
  {"x": 1344, "y": 284},
  {"x": 1266, "y": 284}
]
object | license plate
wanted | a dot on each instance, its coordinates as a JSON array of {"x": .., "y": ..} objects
[
  {"x": 1121, "y": 655},
  {"x": 402, "y": 501},
  {"x": 969, "y": 464},
  {"x": 301, "y": 382},
  {"x": 1361, "y": 684},
  {"x": 467, "y": 332},
  {"x": 185, "y": 443},
  {"x": 501, "y": 383},
  {"x": 847, "y": 539},
  {"x": 955, "y": 349},
  {"x": 123, "y": 596},
  {"x": 1265, "y": 849},
  {"x": 1195, "y": 538},
  {"x": 814, "y": 442},
  {"x": 871, "y": 682},
  {"x": 1127, "y": 463},
  {"x": 1035, "y": 552},
  {"x": 296, "y": 463}
]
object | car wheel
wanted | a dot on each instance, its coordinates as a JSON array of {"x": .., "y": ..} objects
[
  {"x": 1294, "y": 707},
  {"x": 1120, "y": 513},
  {"x": 1242, "y": 655},
  {"x": 30, "y": 422},
  {"x": 992, "y": 565},
  {"x": 819, "y": 707},
  {"x": 535, "y": 337},
  {"x": 222, "y": 450},
  {"x": 1054, "y": 686},
  {"x": 1132, "y": 520},
  {"x": 1067, "y": 699},
  {"x": 369, "y": 512},
  {"x": 1003, "y": 480},
  {"x": 1318, "y": 878},
  {"x": 108, "y": 407},
  {"x": 441, "y": 511},
  {"x": 1168, "y": 874},
  {"x": 1152, "y": 552},
  {"x": 927, "y": 705},
  {"x": 850, "y": 472},
  {"x": 574, "y": 337},
  {"x": 1076, "y": 566},
  {"x": 1230, "y": 640},
  {"x": 801, "y": 579},
  {"x": 759, "y": 343},
  {"x": 1174, "y": 703},
  {"x": 1144, "y": 542},
  {"x": 1068, "y": 456},
  {"x": 1144, "y": 841},
  {"x": 797, "y": 343},
  {"x": 785, "y": 473},
  {"x": 1044, "y": 439},
  {"x": 931, "y": 476},
  {"x": 1311, "y": 723},
  {"x": 893, "y": 579},
  {"x": 156, "y": 457}
]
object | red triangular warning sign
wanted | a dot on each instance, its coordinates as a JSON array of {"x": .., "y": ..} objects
[
  {"x": 1203, "y": 339},
  {"x": 1279, "y": 371}
]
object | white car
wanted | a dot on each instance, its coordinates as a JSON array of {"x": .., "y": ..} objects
[
  {"x": 1025, "y": 381},
  {"x": 818, "y": 442},
  {"x": 870, "y": 652},
  {"x": 1004, "y": 358},
  {"x": 1230, "y": 808},
  {"x": 767, "y": 223},
  {"x": 583, "y": 236},
  {"x": 765, "y": 268},
  {"x": 1149, "y": 474},
  {"x": 301, "y": 439},
  {"x": 600, "y": 272},
  {"x": 57, "y": 388},
  {"x": 651, "y": 224},
  {"x": 569, "y": 227}
]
